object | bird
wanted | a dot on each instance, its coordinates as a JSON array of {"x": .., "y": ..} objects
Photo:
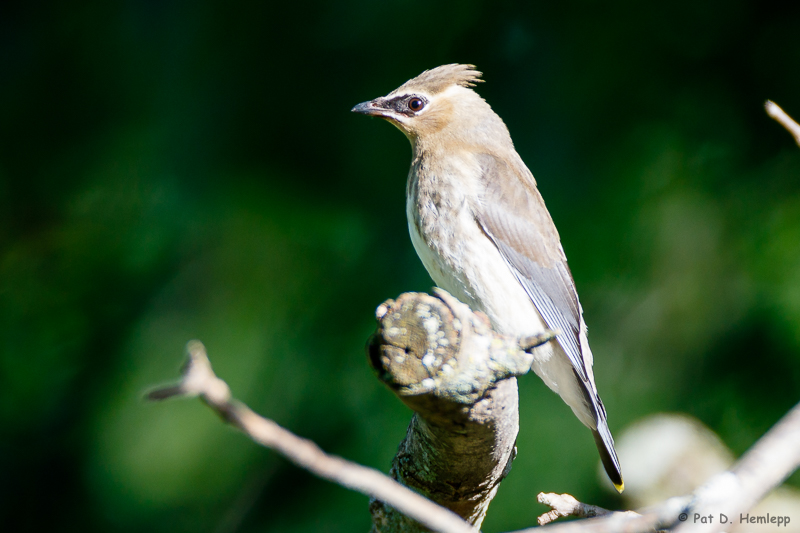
[{"x": 481, "y": 229}]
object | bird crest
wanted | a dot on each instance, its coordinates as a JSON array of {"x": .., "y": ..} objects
[{"x": 438, "y": 79}]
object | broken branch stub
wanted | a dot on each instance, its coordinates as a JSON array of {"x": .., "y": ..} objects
[{"x": 457, "y": 374}]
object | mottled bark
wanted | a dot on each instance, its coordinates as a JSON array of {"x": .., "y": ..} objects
[{"x": 448, "y": 365}]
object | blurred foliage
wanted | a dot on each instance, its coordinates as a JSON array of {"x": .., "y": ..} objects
[{"x": 174, "y": 170}]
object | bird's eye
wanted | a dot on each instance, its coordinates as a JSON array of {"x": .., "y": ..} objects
[{"x": 416, "y": 104}]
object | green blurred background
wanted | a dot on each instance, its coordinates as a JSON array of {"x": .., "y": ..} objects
[{"x": 176, "y": 170}]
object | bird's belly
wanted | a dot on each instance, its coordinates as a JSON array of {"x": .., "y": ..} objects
[{"x": 463, "y": 261}]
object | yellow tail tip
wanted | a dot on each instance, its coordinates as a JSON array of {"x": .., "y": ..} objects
[{"x": 620, "y": 487}]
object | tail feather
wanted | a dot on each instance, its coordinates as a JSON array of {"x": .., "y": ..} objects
[
  {"x": 602, "y": 435},
  {"x": 605, "y": 445}
]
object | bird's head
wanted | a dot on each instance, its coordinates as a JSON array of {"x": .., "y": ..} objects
[{"x": 437, "y": 101}]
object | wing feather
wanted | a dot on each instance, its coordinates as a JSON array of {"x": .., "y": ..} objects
[{"x": 513, "y": 215}]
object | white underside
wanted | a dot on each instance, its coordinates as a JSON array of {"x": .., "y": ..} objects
[{"x": 475, "y": 272}]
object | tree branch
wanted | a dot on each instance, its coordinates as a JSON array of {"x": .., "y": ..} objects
[
  {"x": 199, "y": 380},
  {"x": 765, "y": 466},
  {"x": 457, "y": 374},
  {"x": 644, "y": 521},
  {"x": 564, "y": 505},
  {"x": 785, "y": 120}
]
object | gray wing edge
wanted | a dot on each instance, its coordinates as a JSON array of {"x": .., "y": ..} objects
[
  {"x": 553, "y": 317},
  {"x": 569, "y": 341}
]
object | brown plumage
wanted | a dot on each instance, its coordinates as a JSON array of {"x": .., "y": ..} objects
[
  {"x": 438, "y": 79},
  {"x": 484, "y": 234}
]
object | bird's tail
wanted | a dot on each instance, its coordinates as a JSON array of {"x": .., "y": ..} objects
[{"x": 605, "y": 445}]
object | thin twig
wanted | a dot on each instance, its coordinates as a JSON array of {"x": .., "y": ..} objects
[
  {"x": 785, "y": 120},
  {"x": 765, "y": 466},
  {"x": 564, "y": 505},
  {"x": 646, "y": 520},
  {"x": 771, "y": 460},
  {"x": 199, "y": 380}
]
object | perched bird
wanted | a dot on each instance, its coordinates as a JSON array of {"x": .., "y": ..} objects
[{"x": 480, "y": 227}]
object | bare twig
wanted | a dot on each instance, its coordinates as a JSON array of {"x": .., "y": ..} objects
[
  {"x": 785, "y": 120},
  {"x": 646, "y": 520},
  {"x": 200, "y": 380},
  {"x": 770, "y": 461},
  {"x": 765, "y": 466},
  {"x": 564, "y": 505}
]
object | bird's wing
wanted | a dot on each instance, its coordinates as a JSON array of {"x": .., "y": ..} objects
[{"x": 513, "y": 215}]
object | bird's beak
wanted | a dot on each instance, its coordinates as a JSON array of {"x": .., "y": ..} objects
[{"x": 373, "y": 108}]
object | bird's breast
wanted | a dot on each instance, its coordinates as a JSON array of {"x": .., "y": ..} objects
[
  {"x": 456, "y": 252},
  {"x": 435, "y": 210}
]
